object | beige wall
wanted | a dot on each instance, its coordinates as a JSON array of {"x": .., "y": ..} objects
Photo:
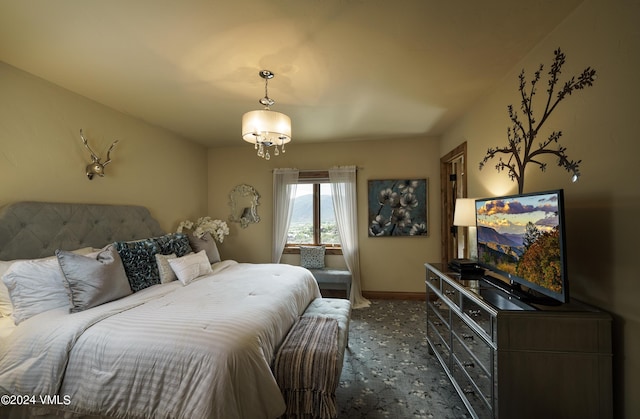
[
  {"x": 600, "y": 126},
  {"x": 387, "y": 263},
  {"x": 42, "y": 157}
]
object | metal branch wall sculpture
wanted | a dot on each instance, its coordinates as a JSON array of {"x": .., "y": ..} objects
[
  {"x": 521, "y": 135},
  {"x": 96, "y": 167}
]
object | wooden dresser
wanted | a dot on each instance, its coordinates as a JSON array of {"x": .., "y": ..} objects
[{"x": 509, "y": 359}]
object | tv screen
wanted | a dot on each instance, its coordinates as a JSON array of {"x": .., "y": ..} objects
[{"x": 521, "y": 237}]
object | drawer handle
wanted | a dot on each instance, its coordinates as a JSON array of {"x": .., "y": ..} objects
[
  {"x": 467, "y": 337},
  {"x": 449, "y": 292},
  {"x": 468, "y": 391},
  {"x": 469, "y": 364},
  {"x": 474, "y": 313},
  {"x": 437, "y": 323},
  {"x": 437, "y": 303}
]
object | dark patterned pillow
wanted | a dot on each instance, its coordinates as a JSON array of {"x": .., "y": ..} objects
[
  {"x": 177, "y": 243},
  {"x": 139, "y": 257}
]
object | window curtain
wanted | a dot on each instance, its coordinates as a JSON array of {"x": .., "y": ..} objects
[
  {"x": 343, "y": 188},
  {"x": 285, "y": 182}
]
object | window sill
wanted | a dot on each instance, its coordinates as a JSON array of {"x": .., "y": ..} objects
[{"x": 295, "y": 250}]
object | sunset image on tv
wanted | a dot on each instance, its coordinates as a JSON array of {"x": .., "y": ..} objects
[{"x": 520, "y": 236}]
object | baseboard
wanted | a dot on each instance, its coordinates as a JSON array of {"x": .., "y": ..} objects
[{"x": 390, "y": 295}]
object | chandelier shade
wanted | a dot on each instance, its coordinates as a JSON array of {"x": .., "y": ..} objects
[{"x": 265, "y": 128}]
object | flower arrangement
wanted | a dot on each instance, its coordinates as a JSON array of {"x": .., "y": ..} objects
[{"x": 203, "y": 225}]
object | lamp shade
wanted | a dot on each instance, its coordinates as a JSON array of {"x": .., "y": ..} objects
[
  {"x": 465, "y": 212},
  {"x": 266, "y": 126}
]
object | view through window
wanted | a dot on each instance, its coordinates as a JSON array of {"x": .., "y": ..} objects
[{"x": 313, "y": 220}]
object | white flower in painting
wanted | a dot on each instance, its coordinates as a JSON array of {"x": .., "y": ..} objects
[
  {"x": 388, "y": 197},
  {"x": 401, "y": 217},
  {"x": 418, "y": 229},
  {"x": 408, "y": 186},
  {"x": 409, "y": 200},
  {"x": 378, "y": 226}
]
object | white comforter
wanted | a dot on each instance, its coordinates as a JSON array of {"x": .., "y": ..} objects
[{"x": 170, "y": 351}]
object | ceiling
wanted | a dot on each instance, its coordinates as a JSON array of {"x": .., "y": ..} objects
[{"x": 344, "y": 69}]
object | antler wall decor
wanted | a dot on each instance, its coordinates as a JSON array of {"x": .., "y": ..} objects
[
  {"x": 96, "y": 167},
  {"x": 521, "y": 149}
]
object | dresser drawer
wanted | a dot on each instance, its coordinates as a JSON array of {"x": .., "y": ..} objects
[
  {"x": 451, "y": 293},
  {"x": 439, "y": 343},
  {"x": 480, "y": 403},
  {"x": 474, "y": 356},
  {"x": 438, "y": 328},
  {"x": 485, "y": 320},
  {"x": 433, "y": 281}
]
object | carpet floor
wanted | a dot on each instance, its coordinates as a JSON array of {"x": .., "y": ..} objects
[{"x": 388, "y": 372}]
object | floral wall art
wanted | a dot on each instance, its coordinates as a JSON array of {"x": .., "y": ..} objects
[{"x": 398, "y": 207}]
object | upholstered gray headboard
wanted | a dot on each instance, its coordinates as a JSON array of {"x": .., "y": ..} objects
[{"x": 31, "y": 230}]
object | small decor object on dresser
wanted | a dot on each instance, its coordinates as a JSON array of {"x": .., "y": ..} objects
[{"x": 398, "y": 207}]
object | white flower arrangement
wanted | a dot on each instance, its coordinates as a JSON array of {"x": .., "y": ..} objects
[{"x": 203, "y": 225}]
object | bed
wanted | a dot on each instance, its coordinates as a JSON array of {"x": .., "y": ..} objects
[{"x": 199, "y": 348}]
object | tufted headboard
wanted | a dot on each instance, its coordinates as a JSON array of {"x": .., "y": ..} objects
[{"x": 30, "y": 230}]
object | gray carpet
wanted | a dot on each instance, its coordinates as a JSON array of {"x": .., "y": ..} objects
[{"x": 388, "y": 372}]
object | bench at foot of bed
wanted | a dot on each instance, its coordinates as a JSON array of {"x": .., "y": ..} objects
[{"x": 309, "y": 362}]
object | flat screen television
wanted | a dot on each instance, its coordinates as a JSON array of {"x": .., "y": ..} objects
[{"x": 522, "y": 238}]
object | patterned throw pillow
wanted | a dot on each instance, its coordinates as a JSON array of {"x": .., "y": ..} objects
[
  {"x": 138, "y": 257},
  {"x": 177, "y": 243},
  {"x": 312, "y": 257}
]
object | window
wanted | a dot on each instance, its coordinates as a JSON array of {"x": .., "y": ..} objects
[{"x": 313, "y": 221}]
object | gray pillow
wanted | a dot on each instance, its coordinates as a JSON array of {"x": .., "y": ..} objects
[
  {"x": 94, "y": 279},
  {"x": 206, "y": 243}
]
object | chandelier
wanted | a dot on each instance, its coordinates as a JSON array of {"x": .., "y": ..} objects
[{"x": 266, "y": 128}]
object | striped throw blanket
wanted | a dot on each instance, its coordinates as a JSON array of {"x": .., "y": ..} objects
[{"x": 306, "y": 368}]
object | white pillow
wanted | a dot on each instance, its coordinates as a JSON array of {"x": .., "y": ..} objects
[
  {"x": 35, "y": 286},
  {"x": 6, "y": 307},
  {"x": 191, "y": 266},
  {"x": 166, "y": 273}
]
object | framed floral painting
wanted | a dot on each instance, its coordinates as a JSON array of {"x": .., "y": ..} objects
[{"x": 397, "y": 207}]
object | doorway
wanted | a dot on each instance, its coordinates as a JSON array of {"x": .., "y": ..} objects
[{"x": 453, "y": 185}]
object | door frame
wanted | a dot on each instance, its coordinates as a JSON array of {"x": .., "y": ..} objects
[{"x": 448, "y": 240}]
